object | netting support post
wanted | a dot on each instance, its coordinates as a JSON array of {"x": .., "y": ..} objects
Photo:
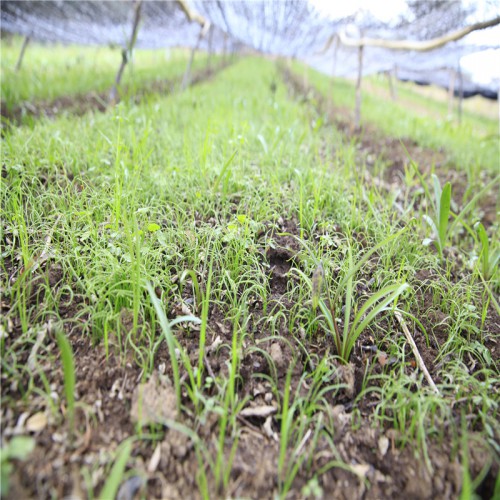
[
  {"x": 357, "y": 110},
  {"x": 460, "y": 92},
  {"x": 451, "y": 91},
  {"x": 224, "y": 48},
  {"x": 19, "y": 62},
  {"x": 210, "y": 47},
  {"x": 392, "y": 78},
  {"x": 186, "y": 79},
  {"x": 334, "y": 69},
  {"x": 305, "y": 76},
  {"x": 126, "y": 53}
]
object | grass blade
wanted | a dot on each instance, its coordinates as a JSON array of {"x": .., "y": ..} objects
[
  {"x": 68, "y": 365},
  {"x": 223, "y": 170},
  {"x": 444, "y": 214},
  {"x": 167, "y": 332},
  {"x": 382, "y": 299},
  {"x": 437, "y": 194},
  {"x": 471, "y": 203},
  {"x": 360, "y": 263},
  {"x": 112, "y": 484}
]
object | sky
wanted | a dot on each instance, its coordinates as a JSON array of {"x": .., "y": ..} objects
[{"x": 482, "y": 66}]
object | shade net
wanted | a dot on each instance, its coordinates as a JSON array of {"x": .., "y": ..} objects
[{"x": 293, "y": 28}]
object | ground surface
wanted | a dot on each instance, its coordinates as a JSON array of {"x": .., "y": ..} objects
[{"x": 268, "y": 409}]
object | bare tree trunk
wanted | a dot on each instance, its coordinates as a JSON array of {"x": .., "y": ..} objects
[
  {"x": 186, "y": 79},
  {"x": 357, "y": 111},
  {"x": 224, "y": 48},
  {"x": 128, "y": 51},
  {"x": 21, "y": 54},
  {"x": 451, "y": 91}
]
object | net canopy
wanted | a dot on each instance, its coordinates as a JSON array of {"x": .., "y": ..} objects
[{"x": 294, "y": 28}]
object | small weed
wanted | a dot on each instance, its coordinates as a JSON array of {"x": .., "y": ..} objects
[
  {"x": 375, "y": 305},
  {"x": 172, "y": 343},
  {"x": 115, "y": 477},
  {"x": 489, "y": 257},
  {"x": 68, "y": 364},
  {"x": 441, "y": 202}
]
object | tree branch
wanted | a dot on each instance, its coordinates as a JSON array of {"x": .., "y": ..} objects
[{"x": 419, "y": 46}]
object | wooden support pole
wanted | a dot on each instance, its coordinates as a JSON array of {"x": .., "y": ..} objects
[
  {"x": 210, "y": 47},
  {"x": 21, "y": 54},
  {"x": 334, "y": 69},
  {"x": 186, "y": 79},
  {"x": 126, "y": 53},
  {"x": 357, "y": 110},
  {"x": 451, "y": 91},
  {"x": 460, "y": 92},
  {"x": 391, "y": 78}
]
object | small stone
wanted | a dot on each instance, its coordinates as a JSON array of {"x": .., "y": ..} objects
[
  {"x": 259, "y": 389},
  {"x": 383, "y": 445},
  {"x": 36, "y": 422},
  {"x": 277, "y": 354}
]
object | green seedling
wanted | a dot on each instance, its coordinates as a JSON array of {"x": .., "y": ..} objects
[
  {"x": 68, "y": 364},
  {"x": 379, "y": 302},
  {"x": 172, "y": 343},
  {"x": 439, "y": 220},
  {"x": 189, "y": 273},
  {"x": 18, "y": 448},
  {"x": 488, "y": 257},
  {"x": 344, "y": 342},
  {"x": 115, "y": 477}
]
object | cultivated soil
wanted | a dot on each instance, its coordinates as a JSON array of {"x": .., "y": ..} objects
[{"x": 382, "y": 464}]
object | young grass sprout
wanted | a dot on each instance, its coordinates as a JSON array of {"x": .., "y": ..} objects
[
  {"x": 172, "y": 343},
  {"x": 68, "y": 364},
  {"x": 489, "y": 258},
  {"x": 439, "y": 219},
  {"x": 376, "y": 304},
  {"x": 379, "y": 302}
]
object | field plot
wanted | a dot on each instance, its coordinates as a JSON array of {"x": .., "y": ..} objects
[
  {"x": 227, "y": 292},
  {"x": 57, "y": 79}
]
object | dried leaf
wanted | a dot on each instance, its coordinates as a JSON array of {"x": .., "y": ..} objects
[
  {"x": 277, "y": 354},
  {"x": 215, "y": 344},
  {"x": 258, "y": 411},
  {"x": 155, "y": 459},
  {"x": 269, "y": 430},
  {"x": 382, "y": 358}
]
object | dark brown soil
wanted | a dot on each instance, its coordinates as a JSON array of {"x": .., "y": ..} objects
[
  {"x": 380, "y": 465},
  {"x": 382, "y": 461}
]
